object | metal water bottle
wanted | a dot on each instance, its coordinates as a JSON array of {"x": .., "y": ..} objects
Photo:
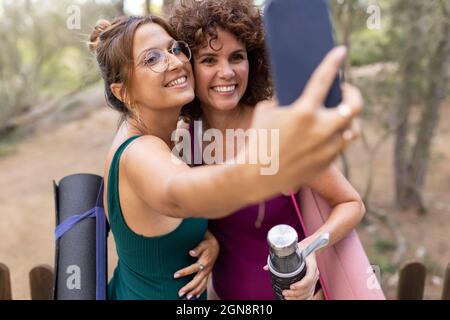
[{"x": 286, "y": 262}]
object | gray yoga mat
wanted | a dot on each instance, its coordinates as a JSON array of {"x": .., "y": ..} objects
[{"x": 75, "y": 256}]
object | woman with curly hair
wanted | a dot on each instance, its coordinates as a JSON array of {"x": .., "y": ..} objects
[{"x": 232, "y": 75}]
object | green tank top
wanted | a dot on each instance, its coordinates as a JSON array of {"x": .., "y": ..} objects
[{"x": 147, "y": 264}]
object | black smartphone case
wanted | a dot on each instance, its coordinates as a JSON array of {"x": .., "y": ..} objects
[{"x": 298, "y": 36}]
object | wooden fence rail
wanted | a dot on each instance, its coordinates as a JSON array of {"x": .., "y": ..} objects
[
  {"x": 5, "y": 283},
  {"x": 41, "y": 283},
  {"x": 446, "y": 289},
  {"x": 411, "y": 284}
]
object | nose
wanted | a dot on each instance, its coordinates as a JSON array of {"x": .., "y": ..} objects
[
  {"x": 173, "y": 62},
  {"x": 226, "y": 71}
]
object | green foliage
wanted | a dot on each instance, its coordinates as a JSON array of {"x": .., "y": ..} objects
[
  {"x": 369, "y": 46},
  {"x": 383, "y": 245},
  {"x": 384, "y": 262},
  {"x": 8, "y": 143},
  {"x": 69, "y": 66},
  {"x": 386, "y": 266}
]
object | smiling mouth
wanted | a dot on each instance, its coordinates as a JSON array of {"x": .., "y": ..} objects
[
  {"x": 224, "y": 89},
  {"x": 179, "y": 82}
]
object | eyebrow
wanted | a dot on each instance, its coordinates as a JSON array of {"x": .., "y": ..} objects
[
  {"x": 212, "y": 54},
  {"x": 148, "y": 49}
]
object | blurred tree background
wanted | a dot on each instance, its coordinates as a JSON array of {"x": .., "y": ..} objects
[
  {"x": 43, "y": 52},
  {"x": 414, "y": 36}
]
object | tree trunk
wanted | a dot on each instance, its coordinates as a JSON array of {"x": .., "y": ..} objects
[
  {"x": 401, "y": 147},
  {"x": 120, "y": 8},
  {"x": 345, "y": 16},
  {"x": 147, "y": 7},
  {"x": 408, "y": 68},
  {"x": 438, "y": 78},
  {"x": 346, "y": 42}
]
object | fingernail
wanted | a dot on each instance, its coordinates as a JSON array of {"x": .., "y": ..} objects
[
  {"x": 341, "y": 51},
  {"x": 192, "y": 252},
  {"x": 176, "y": 275},
  {"x": 180, "y": 294},
  {"x": 189, "y": 296}
]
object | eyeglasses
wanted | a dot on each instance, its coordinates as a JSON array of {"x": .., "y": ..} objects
[{"x": 158, "y": 60}]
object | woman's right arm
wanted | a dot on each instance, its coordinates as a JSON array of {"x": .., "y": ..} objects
[
  {"x": 175, "y": 189},
  {"x": 214, "y": 191}
]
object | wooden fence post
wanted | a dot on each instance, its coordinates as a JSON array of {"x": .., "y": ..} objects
[
  {"x": 446, "y": 290},
  {"x": 41, "y": 282},
  {"x": 5, "y": 283},
  {"x": 412, "y": 282}
]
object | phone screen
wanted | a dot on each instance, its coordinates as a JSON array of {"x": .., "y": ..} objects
[{"x": 299, "y": 34}]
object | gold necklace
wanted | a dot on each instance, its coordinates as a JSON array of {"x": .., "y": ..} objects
[{"x": 261, "y": 214}]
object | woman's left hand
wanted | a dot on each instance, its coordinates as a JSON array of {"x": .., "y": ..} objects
[
  {"x": 207, "y": 252},
  {"x": 305, "y": 288}
]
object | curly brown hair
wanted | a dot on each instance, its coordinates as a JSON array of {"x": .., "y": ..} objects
[{"x": 196, "y": 22}]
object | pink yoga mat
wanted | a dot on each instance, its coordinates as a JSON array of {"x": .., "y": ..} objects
[{"x": 345, "y": 271}]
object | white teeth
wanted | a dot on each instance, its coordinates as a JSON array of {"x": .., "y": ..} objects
[
  {"x": 177, "y": 82},
  {"x": 224, "y": 88}
]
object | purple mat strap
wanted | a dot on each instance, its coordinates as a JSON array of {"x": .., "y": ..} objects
[{"x": 68, "y": 224}]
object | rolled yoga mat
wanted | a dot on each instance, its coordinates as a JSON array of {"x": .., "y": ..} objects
[
  {"x": 345, "y": 270},
  {"x": 79, "y": 274}
]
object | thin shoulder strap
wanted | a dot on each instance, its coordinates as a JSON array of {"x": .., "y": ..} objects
[{"x": 112, "y": 192}]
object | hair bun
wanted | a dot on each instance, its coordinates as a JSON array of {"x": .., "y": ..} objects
[{"x": 100, "y": 26}]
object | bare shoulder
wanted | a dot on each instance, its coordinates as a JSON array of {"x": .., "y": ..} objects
[
  {"x": 149, "y": 157},
  {"x": 145, "y": 148}
]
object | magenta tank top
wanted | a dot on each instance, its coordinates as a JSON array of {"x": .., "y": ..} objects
[{"x": 238, "y": 273}]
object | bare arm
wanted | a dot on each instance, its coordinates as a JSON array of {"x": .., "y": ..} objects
[{"x": 174, "y": 189}]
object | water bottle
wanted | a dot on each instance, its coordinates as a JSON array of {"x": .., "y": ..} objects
[{"x": 286, "y": 262}]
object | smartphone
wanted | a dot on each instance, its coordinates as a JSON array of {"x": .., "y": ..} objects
[{"x": 299, "y": 34}]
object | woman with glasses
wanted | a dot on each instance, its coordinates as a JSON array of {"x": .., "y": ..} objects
[
  {"x": 231, "y": 76},
  {"x": 157, "y": 207}
]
